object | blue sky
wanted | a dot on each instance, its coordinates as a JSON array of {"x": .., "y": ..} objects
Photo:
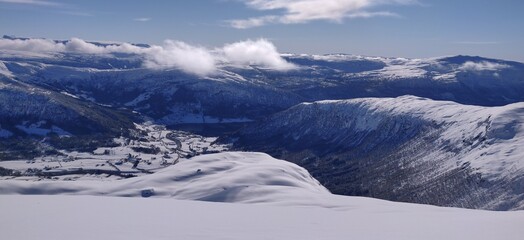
[{"x": 402, "y": 28}]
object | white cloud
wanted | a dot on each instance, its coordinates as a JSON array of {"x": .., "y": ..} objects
[
  {"x": 31, "y": 45},
  {"x": 172, "y": 54},
  {"x": 253, "y": 22},
  {"x": 125, "y": 48},
  {"x": 195, "y": 60},
  {"x": 33, "y": 2},
  {"x": 260, "y": 52},
  {"x": 67, "y": 9},
  {"x": 190, "y": 59},
  {"x": 303, "y": 11},
  {"x": 80, "y": 46},
  {"x": 371, "y": 14},
  {"x": 143, "y": 19},
  {"x": 477, "y": 43},
  {"x": 482, "y": 66},
  {"x": 77, "y": 13},
  {"x": 74, "y": 45}
]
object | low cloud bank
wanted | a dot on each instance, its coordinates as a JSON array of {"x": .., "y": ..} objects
[
  {"x": 191, "y": 59},
  {"x": 482, "y": 66},
  {"x": 171, "y": 54},
  {"x": 74, "y": 45},
  {"x": 31, "y": 45},
  {"x": 259, "y": 52}
]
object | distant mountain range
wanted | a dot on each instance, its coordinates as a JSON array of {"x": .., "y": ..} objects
[{"x": 380, "y": 143}]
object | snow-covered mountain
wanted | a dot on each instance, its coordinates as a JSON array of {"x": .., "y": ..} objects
[
  {"x": 168, "y": 96},
  {"x": 234, "y": 177},
  {"x": 405, "y": 149},
  {"x": 79, "y": 93},
  {"x": 463, "y": 79},
  {"x": 29, "y": 110},
  {"x": 242, "y": 92}
]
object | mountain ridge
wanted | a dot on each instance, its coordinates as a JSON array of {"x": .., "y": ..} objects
[{"x": 402, "y": 149}]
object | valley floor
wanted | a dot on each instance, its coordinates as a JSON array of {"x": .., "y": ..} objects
[{"x": 95, "y": 217}]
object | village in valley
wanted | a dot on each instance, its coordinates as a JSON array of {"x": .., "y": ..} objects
[{"x": 155, "y": 149}]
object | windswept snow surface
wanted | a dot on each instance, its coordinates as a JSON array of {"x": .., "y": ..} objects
[
  {"x": 87, "y": 217},
  {"x": 286, "y": 203},
  {"x": 222, "y": 177}
]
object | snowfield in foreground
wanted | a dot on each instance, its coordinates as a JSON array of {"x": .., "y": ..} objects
[
  {"x": 285, "y": 202},
  {"x": 88, "y": 217}
]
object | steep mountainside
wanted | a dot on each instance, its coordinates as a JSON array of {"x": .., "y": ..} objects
[
  {"x": 404, "y": 149},
  {"x": 28, "y": 111}
]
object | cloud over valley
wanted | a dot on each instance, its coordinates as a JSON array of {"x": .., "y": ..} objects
[{"x": 189, "y": 58}]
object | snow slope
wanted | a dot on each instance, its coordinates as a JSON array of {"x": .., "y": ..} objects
[
  {"x": 32, "y": 109},
  {"x": 406, "y": 148},
  {"x": 222, "y": 177},
  {"x": 87, "y": 217},
  {"x": 285, "y": 203}
]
